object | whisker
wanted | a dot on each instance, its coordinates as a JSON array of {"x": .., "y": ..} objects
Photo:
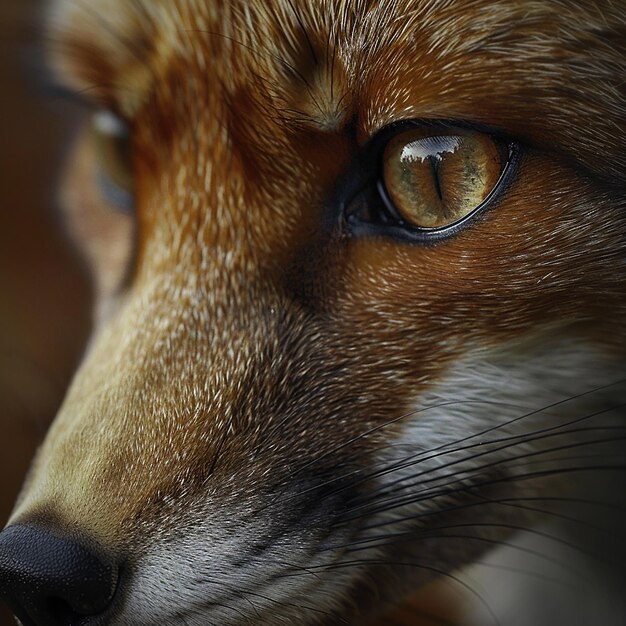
[
  {"x": 445, "y": 448},
  {"x": 411, "y": 537},
  {"x": 445, "y": 490},
  {"x": 269, "y": 54},
  {"x": 512, "y": 441},
  {"x": 432, "y": 531},
  {"x": 304, "y": 31},
  {"x": 444, "y": 574},
  {"x": 351, "y": 441},
  {"x": 401, "y": 484},
  {"x": 244, "y": 593},
  {"x": 483, "y": 501}
]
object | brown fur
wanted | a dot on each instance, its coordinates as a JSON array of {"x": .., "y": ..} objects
[{"x": 244, "y": 331}]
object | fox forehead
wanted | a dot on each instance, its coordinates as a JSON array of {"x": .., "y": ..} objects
[{"x": 325, "y": 63}]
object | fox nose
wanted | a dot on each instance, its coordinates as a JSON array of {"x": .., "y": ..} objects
[{"x": 51, "y": 580}]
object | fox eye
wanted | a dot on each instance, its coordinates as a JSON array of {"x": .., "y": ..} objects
[
  {"x": 433, "y": 179},
  {"x": 424, "y": 181},
  {"x": 113, "y": 152}
]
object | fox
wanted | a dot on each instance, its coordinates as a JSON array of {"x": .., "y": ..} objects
[{"x": 360, "y": 313}]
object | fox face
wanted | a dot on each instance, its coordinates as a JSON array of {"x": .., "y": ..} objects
[{"x": 360, "y": 267}]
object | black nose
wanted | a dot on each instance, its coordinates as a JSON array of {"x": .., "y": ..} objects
[{"x": 51, "y": 580}]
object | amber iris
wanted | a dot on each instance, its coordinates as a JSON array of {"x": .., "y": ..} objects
[{"x": 436, "y": 177}]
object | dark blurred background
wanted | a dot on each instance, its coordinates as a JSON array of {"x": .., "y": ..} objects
[{"x": 44, "y": 294}]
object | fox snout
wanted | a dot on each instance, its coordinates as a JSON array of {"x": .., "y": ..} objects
[
  {"x": 223, "y": 467},
  {"x": 52, "y": 579}
]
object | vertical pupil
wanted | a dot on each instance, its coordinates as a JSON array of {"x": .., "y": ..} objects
[
  {"x": 435, "y": 165},
  {"x": 431, "y": 152}
]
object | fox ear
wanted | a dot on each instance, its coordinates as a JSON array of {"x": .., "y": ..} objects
[{"x": 103, "y": 51}]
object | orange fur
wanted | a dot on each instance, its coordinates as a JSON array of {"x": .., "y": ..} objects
[{"x": 239, "y": 336}]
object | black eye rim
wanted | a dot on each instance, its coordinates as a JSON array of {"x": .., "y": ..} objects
[{"x": 369, "y": 171}]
